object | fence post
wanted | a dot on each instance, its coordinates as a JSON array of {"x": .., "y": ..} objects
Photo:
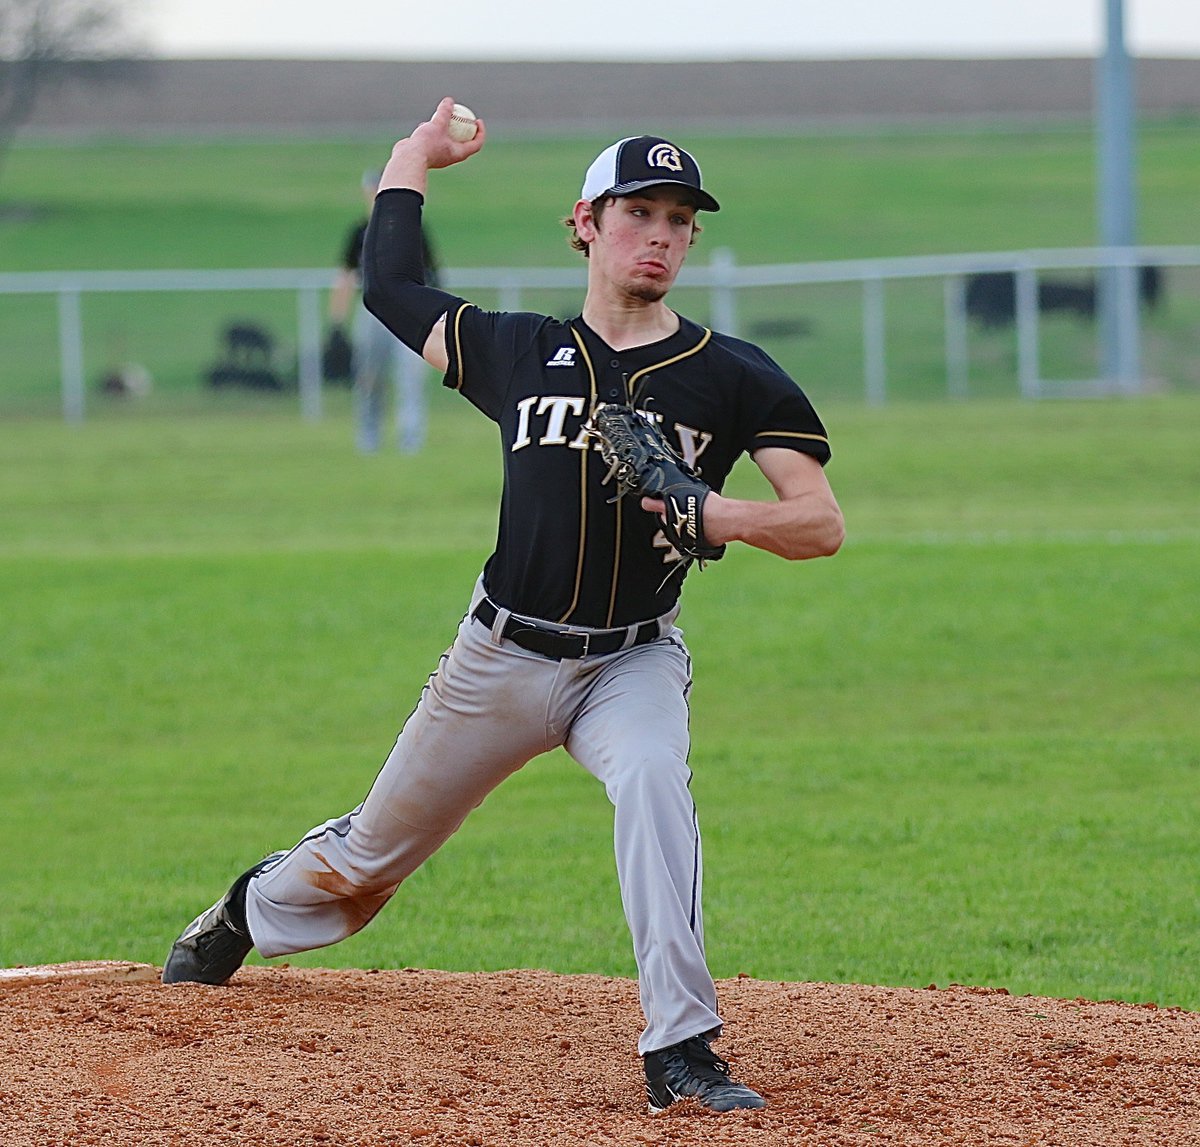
[
  {"x": 1128, "y": 324},
  {"x": 70, "y": 351},
  {"x": 957, "y": 361},
  {"x": 510, "y": 295},
  {"x": 1027, "y": 332},
  {"x": 309, "y": 353},
  {"x": 723, "y": 302},
  {"x": 874, "y": 340}
]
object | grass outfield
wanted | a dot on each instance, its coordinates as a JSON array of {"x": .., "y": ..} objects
[
  {"x": 288, "y": 203},
  {"x": 965, "y": 749},
  {"x": 285, "y": 202}
]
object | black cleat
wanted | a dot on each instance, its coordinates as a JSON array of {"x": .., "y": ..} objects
[
  {"x": 692, "y": 1068},
  {"x": 212, "y": 947}
]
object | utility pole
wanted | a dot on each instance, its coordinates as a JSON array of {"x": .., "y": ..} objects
[{"x": 1116, "y": 201}]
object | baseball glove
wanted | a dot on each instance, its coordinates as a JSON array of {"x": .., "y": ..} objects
[
  {"x": 642, "y": 463},
  {"x": 337, "y": 358}
]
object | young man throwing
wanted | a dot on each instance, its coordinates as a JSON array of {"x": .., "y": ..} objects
[{"x": 569, "y": 638}]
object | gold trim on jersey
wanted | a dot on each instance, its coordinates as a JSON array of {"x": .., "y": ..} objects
[
  {"x": 792, "y": 434},
  {"x": 458, "y": 358},
  {"x": 632, "y": 390},
  {"x": 616, "y": 569},
  {"x": 583, "y": 482}
]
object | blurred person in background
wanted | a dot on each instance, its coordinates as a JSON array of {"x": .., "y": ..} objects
[{"x": 376, "y": 355}]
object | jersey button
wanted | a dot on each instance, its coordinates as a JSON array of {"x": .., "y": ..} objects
[
  {"x": 615, "y": 364},
  {"x": 614, "y": 393}
]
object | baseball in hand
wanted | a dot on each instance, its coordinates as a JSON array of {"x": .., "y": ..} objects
[{"x": 462, "y": 123}]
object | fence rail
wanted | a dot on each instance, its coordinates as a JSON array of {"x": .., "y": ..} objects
[{"x": 1118, "y": 269}]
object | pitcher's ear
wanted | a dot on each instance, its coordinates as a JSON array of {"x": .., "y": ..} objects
[{"x": 585, "y": 221}]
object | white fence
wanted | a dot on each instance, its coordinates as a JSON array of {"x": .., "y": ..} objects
[{"x": 1118, "y": 299}]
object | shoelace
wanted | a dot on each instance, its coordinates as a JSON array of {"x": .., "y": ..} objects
[
  {"x": 702, "y": 1061},
  {"x": 625, "y": 441},
  {"x": 622, "y": 438}
]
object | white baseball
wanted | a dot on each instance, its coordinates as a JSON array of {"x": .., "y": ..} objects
[{"x": 462, "y": 123}]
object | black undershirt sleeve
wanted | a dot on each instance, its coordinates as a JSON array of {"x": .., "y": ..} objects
[{"x": 393, "y": 265}]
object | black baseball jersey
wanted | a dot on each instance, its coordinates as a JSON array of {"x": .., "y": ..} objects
[
  {"x": 352, "y": 252},
  {"x": 565, "y": 551}
]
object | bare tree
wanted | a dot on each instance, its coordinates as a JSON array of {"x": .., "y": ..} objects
[{"x": 44, "y": 42}]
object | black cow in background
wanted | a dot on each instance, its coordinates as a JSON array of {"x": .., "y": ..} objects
[{"x": 992, "y": 296}]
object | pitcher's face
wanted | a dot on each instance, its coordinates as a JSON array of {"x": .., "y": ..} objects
[{"x": 642, "y": 241}]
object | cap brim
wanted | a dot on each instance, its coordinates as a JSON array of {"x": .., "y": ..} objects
[{"x": 704, "y": 201}]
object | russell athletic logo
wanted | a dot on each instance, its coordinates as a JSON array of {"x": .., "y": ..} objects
[
  {"x": 665, "y": 155},
  {"x": 564, "y": 356}
]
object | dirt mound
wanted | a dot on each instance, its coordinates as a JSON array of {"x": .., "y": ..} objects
[{"x": 283, "y": 1057}]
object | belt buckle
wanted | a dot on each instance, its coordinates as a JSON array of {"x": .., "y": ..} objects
[{"x": 585, "y": 637}]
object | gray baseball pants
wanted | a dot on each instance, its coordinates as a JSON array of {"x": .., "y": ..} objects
[
  {"x": 490, "y": 707},
  {"x": 380, "y": 360}
]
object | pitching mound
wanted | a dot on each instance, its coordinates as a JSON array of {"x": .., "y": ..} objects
[{"x": 284, "y": 1057}]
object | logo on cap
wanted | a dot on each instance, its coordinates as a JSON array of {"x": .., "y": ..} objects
[
  {"x": 665, "y": 155},
  {"x": 631, "y": 165}
]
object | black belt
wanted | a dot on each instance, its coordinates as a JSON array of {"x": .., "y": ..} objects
[{"x": 563, "y": 644}]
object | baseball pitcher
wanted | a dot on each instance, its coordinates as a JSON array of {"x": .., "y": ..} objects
[{"x": 617, "y": 431}]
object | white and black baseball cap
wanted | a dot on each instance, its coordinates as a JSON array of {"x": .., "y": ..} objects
[{"x": 640, "y": 161}]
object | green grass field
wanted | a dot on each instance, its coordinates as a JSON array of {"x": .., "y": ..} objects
[
  {"x": 287, "y": 203},
  {"x": 965, "y": 749}
]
